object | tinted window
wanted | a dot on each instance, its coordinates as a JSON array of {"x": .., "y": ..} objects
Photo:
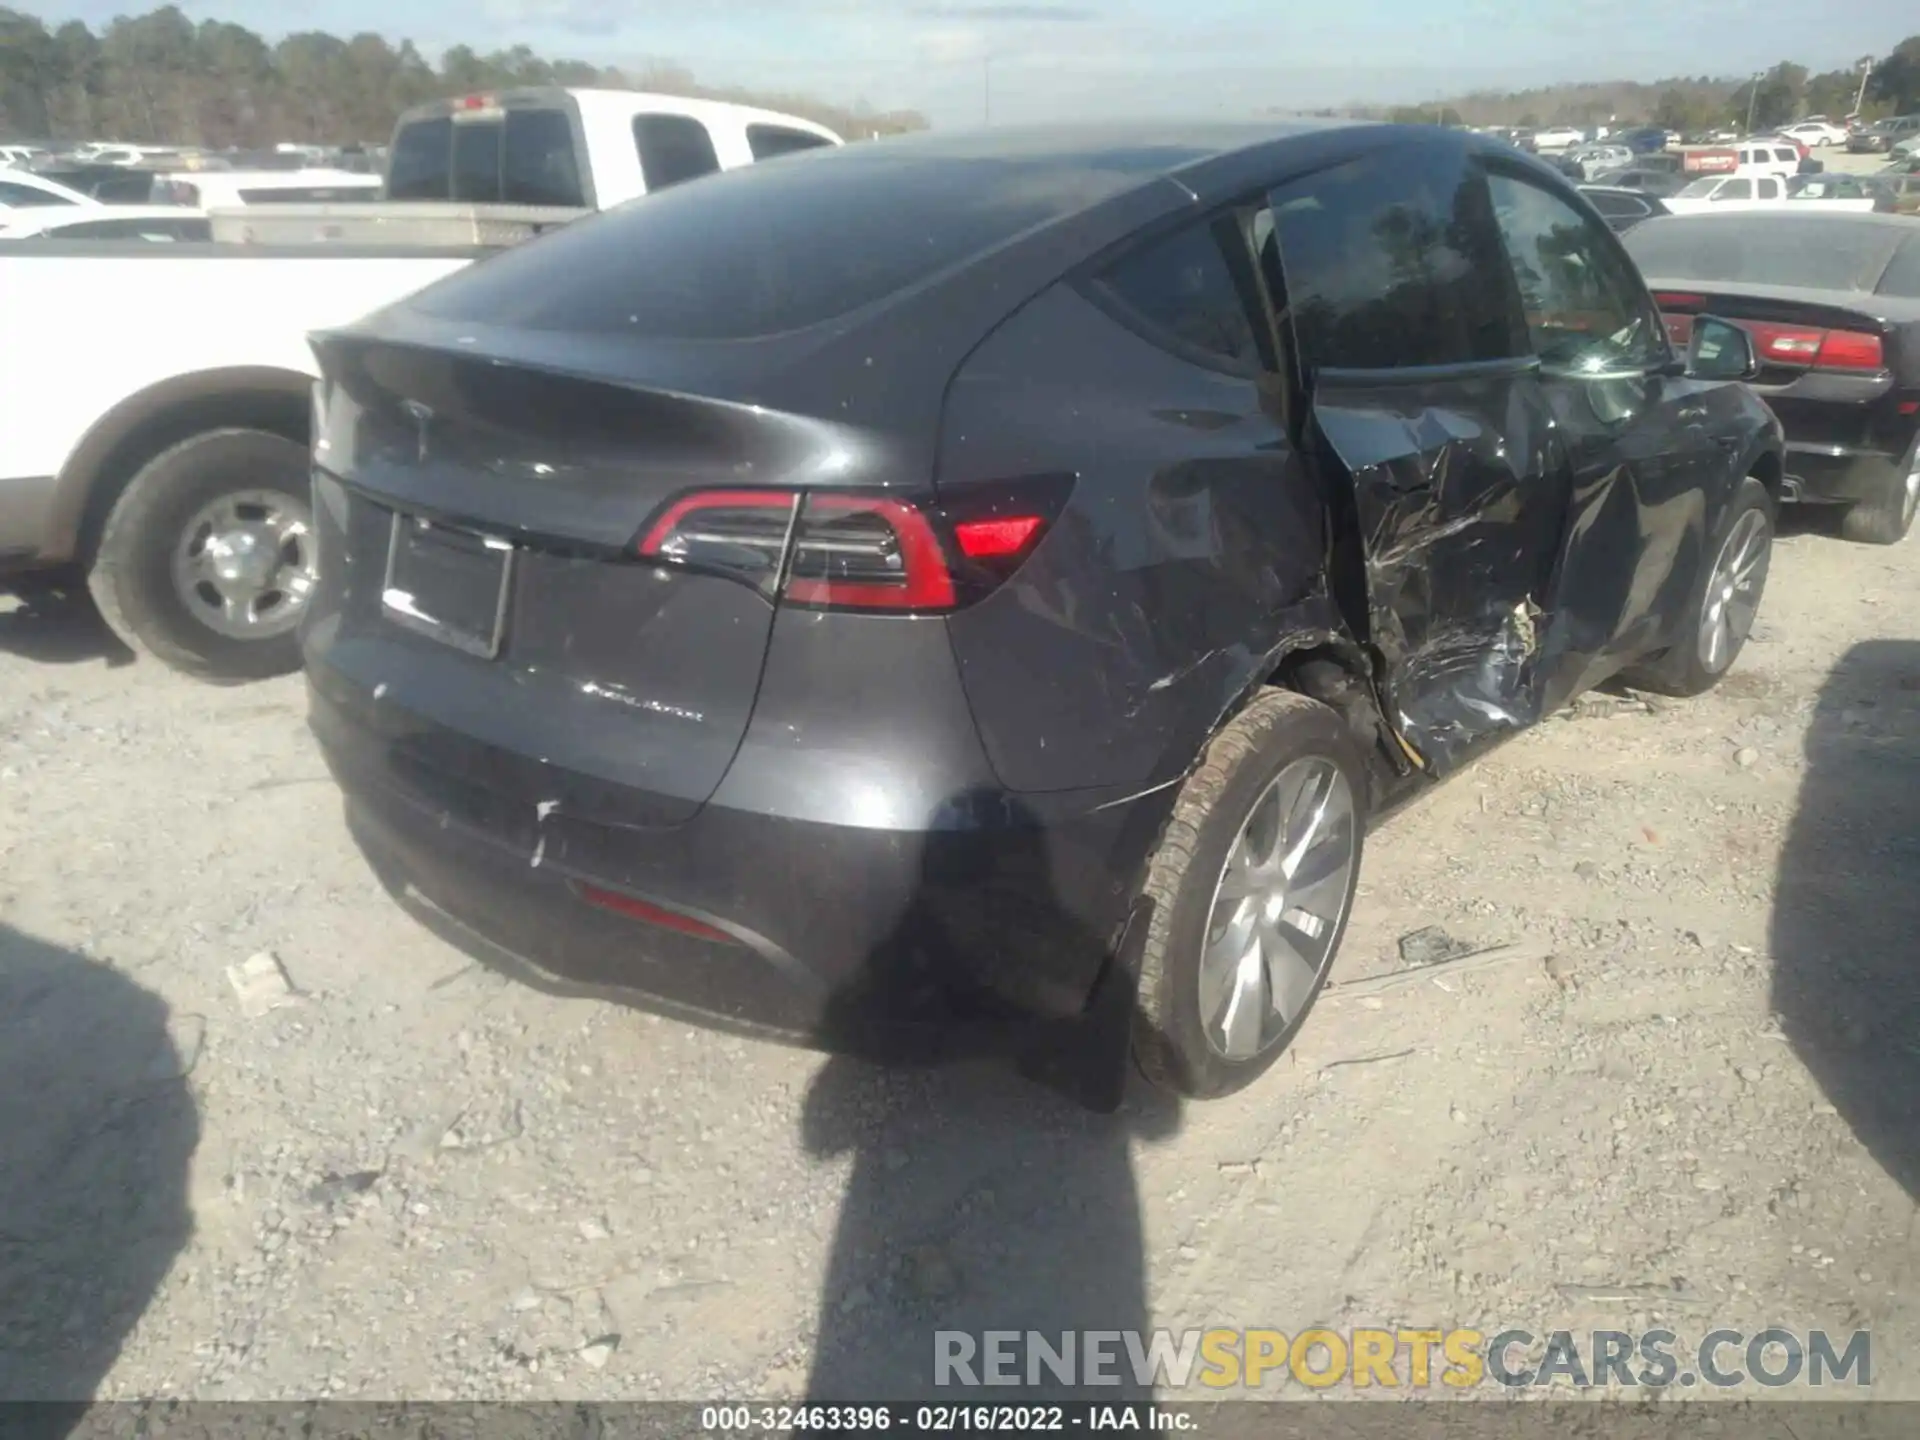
[
  {"x": 767, "y": 141},
  {"x": 1735, "y": 190},
  {"x": 476, "y": 162},
  {"x": 420, "y": 166},
  {"x": 1814, "y": 251},
  {"x": 1391, "y": 261},
  {"x": 1618, "y": 205},
  {"x": 1766, "y": 189},
  {"x": 538, "y": 162},
  {"x": 1584, "y": 306},
  {"x": 25, "y": 195},
  {"x": 1903, "y": 275},
  {"x": 1181, "y": 290},
  {"x": 767, "y": 248},
  {"x": 672, "y": 148}
]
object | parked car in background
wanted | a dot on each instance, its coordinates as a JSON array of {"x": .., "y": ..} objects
[
  {"x": 1622, "y": 209},
  {"x": 24, "y": 190},
  {"x": 1645, "y": 180},
  {"x": 1777, "y": 157},
  {"x": 20, "y": 154},
  {"x": 1644, "y": 140},
  {"x": 753, "y": 682},
  {"x": 1816, "y": 132},
  {"x": 1584, "y": 162},
  {"x": 1801, "y": 150},
  {"x": 199, "y": 410},
  {"x": 1874, "y": 190},
  {"x": 1904, "y": 187},
  {"x": 1729, "y": 192},
  {"x": 1833, "y": 304},
  {"x": 224, "y": 189},
  {"x": 1883, "y": 135},
  {"x": 1557, "y": 137},
  {"x": 158, "y": 223}
]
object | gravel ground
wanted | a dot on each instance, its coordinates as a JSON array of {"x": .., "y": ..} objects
[{"x": 374, "y": 1170}]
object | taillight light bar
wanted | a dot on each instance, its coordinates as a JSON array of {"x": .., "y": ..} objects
[
  {"x": 846, "y": 550},
  {"x": 1810, "y": 346}
]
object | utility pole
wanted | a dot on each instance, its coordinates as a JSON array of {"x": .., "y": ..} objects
[
  {"x": 1753, "y": 94},
  {"x": 1866, "y": 70}
]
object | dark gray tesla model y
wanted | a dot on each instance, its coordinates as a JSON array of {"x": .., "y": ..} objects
[{"x": 1002, "y": 573}]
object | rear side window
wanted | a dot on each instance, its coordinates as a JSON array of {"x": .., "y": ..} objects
[
  {"x": 1393, "y": 261},
  {"x": 1181, "y": 293},
  {"x": 1902, "y": 279},
  {"x": 1618, "y": 205},
  {"x": 767, "y": 141},
  {"x": 673, "y": 148},
  {"x": 1735, "y": 190}
]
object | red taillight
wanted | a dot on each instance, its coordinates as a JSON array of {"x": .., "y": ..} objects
[
  {"x": 1786, "y": 344},
  {"x": 867, "y": 553},
  {"x": 1669, "y": 300},
  {"x": 850, "y": 550},
  {"x": 473, "y": 102},
  {"x": 634, "y": 909},
  {"x": 996, "y": 539},
  {"x": 1851, "y": 350}
]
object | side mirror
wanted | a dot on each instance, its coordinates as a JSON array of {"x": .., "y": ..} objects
[{"x": 1719, "y": 350}]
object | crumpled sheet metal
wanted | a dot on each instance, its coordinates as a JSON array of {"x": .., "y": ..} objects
[{"x": 1465, "y": 526}]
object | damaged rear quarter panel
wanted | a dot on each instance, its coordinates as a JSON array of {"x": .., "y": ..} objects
[{"x": 1192, "y": 548}]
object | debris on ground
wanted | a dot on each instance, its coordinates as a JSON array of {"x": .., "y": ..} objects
[
  {"x": 261, "y": 983},
  {"x": 1433, "y": 946}
]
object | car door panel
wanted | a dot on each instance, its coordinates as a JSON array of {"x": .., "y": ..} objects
[
  {"x": 1645, "y": 475},
  {"x": 1428, "y": 421}
]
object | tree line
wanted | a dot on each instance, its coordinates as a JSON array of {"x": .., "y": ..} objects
[
  {"x": 159, "y": 78},
  {"x": 1779, "y": 96}
]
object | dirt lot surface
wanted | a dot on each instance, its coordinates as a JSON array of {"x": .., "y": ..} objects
[{"x": 382, "y": 1172}]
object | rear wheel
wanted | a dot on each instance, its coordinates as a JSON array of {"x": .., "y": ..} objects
[
  {"x": 1726, "y": 601},
  {"x": 1885, "y": 519},
  {"x": 1251, "y": 886},
  {"x": 206, "y": 560}
]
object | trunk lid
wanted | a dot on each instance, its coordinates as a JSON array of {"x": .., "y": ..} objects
[{"x": 481, "y": 600}]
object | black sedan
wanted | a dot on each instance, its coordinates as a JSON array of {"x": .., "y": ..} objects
[
  {"x": 1833, "y": 303},
  {"x": 1002, "y": 574},
  {"x": 1623, "y": 208}
]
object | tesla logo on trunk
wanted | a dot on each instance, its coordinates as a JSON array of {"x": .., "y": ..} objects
[{"x": 422, "y": 420}]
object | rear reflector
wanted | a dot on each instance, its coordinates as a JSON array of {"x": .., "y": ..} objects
[
  {"x": 652, "y": 914},
  {"x": 998, "y": 538},
  {"x": 842, "y": 550}
]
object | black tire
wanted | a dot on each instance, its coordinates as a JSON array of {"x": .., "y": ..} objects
[
  {"x": 1681, "y": 670},
  {"x": 1250, "y": 752},
  {"x": 1886, "y": 518},
  {"x": 131, "y": 573}
]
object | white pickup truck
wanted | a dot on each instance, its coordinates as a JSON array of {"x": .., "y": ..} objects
[{"x": 155, "y": 400}]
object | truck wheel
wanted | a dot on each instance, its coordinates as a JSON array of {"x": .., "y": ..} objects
[
  {"x": 206, "y": 559},
  {"x": 1726, "y": 600},
  {"x": 1251, "y": 885},
  {"x": 1888, "y": 516}
]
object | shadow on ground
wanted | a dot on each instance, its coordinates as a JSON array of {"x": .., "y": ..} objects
[
  {"x": 56, "y": 624},
  {"x": 976, "y": 1199},
  {"x": 97, "y": 1127},
  {"x": 1846, "y": 919}
]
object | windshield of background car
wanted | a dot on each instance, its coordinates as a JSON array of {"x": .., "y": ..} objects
[
  {"x": 1807, "y": 252},
  {"x": 768, "y": 249}
]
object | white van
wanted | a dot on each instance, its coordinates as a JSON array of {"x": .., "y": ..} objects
[{"x": 1767, "y": 157}]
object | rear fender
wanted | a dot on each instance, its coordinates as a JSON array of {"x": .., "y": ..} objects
[{"x": 156, "y": 419}]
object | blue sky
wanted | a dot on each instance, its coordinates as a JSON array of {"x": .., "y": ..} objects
[{"x": 1038, "y": 60}]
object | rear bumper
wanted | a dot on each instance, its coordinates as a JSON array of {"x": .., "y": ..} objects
[
  {"x": 997, "y": 904},
  {"x": 1838, "y": 474}
]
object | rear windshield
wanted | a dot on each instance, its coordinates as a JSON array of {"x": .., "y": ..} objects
[
  {"x": 1903, "y": 275},
  {"x": 771, "y": 248},
  {"x": 525, "y": 157},
  {"x": 1809, "y": 252}
]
